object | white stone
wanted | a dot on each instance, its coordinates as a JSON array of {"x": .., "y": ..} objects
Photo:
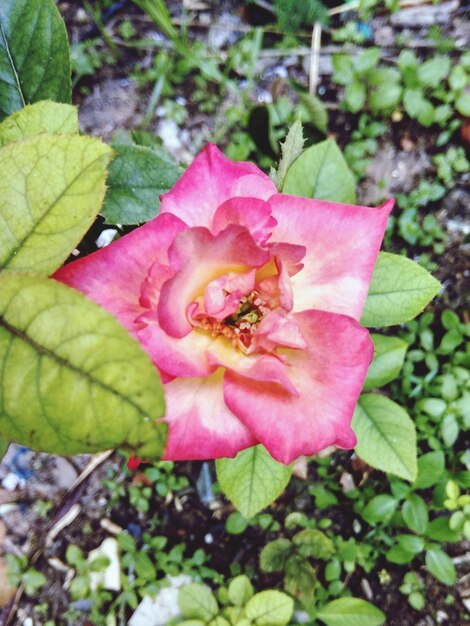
[
  {"x": 110, "y": 578},
  {"x": 164, "y": 607},
  {"x": 106, "y": 237}
]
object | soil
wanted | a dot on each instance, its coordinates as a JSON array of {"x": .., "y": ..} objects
[{"x": 110, "y": 101}]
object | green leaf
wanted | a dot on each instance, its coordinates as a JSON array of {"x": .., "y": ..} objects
[
  {"x": 389, "y": 354},
  {"x": 72, "y": 379},
  {"x": 355, "y": 96},
  {"x": 137, "y": 176},
  {"x": 385, "y": 97},
  {"x": 51, "y": 190},
  {"x": 315, "y": 111},
  {"x": 386, "y": 436},
  {"x": 367, "y": 60},
  {"x": 462, "y": 104},
  {"x": 458, "y": 78},
  {"x": 438, "y": 529},
  {"x": 300, "y": 579},
  {"x": 440, "y": 565},
  {"x": 43, "y": 117},
  {"x": 412, "y": 544},
  {"x": 430, "y": 469},
  {"x": 351, "y": 612},
  {"x": 313, "y": 543},
  {"x": 343, "y": 69},
  {"x": 240, "y": 590},
  {"x": 380, "y": 509},
  {"x": 415, "y": 514},
  {"x": 433, "y": 71},
  {"x": 274, "y": 555},
  {"x": 291, "y": 149},
  {"x": 400, "y": 289},
  {"x": 34, "y": 54},
  {"x": 270, "y": 608},
  {"x": 252, "y": 480},
  {"x": 236, "y": 524},
  {"x": 321, "y": 172},
  {"x": 4, "y": 443},
  {"x": 197, "y": 601},
  {"x": 219, "y": 621},
  {"x": 144, "y": 566},
  {"x": 398, "y": 554},
  {"x": 449, "y": 430},
  {"x": 418, "y": 107}
]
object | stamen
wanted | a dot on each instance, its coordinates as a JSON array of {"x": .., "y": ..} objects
[{"x": 240, "y": 326}]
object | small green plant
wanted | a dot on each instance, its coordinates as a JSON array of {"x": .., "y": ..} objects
[
  {"x": 236, "y": 604},
  {"x": 429, "y": 91},
  {"x": 413, "y": 587},
  {"x": 460, "y": 506},
  {"x": 20, "y": 573},
  {"x": 236, "y": 524}
]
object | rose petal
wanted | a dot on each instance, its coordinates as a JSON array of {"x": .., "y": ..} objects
[
  {"x": 328, "y": 376},
  {"x": 250, "y": 212},
  {"x": 185, "y": 356},
  {"x": 278, "y": 329},
  {"x": 198, "y": 257},
  {"x": 210, "y": 180},
  {"x": 342, "y": 244},
  {"x": 267, "y": 368},
  {"x": 113, "y": 276},
  {"x": 201, "y": 426},
  {"x": 222, "y": 296}
]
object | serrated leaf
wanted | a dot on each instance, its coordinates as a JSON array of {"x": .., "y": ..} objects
[
  {"x": 386, "y": 436},
  {"x": 270, "y": 608},
  {"x": 72, "y": 379},
  {"x": 351, "y": 612},
  {"x": 240, "y": 590},
  {"x": 197, "y": 601},
  {"x": 400, "y": 289},
  {"x": 321, "y": 172},
  {"x": 137, "y": 176},
  {"x": 51, "y": 190},
  {"x": 252, "y": 480},
  {"x": 291, "y": 149},
  {"x": 389, "y": 354},
  {"x": 34, "y": 54},
  {"x": 274, "y": 555},
  {"x": 43, "y": 117}
]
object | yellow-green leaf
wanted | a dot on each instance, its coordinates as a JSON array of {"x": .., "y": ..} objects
[
  {"x": 389, "y": 354},
  {"x": 270, "y": 608},
  {"x": 71, "y": 378},
  {"x": 51, "y": 189},
  {"x": 400, "y": 289},
  {"x": 386, "y": 436},
  {"x": 43, "y": 117},
  {"x": 252, "y": 480}
]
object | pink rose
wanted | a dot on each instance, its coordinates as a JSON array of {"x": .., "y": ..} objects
[{"x": 248, "y": 302}]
